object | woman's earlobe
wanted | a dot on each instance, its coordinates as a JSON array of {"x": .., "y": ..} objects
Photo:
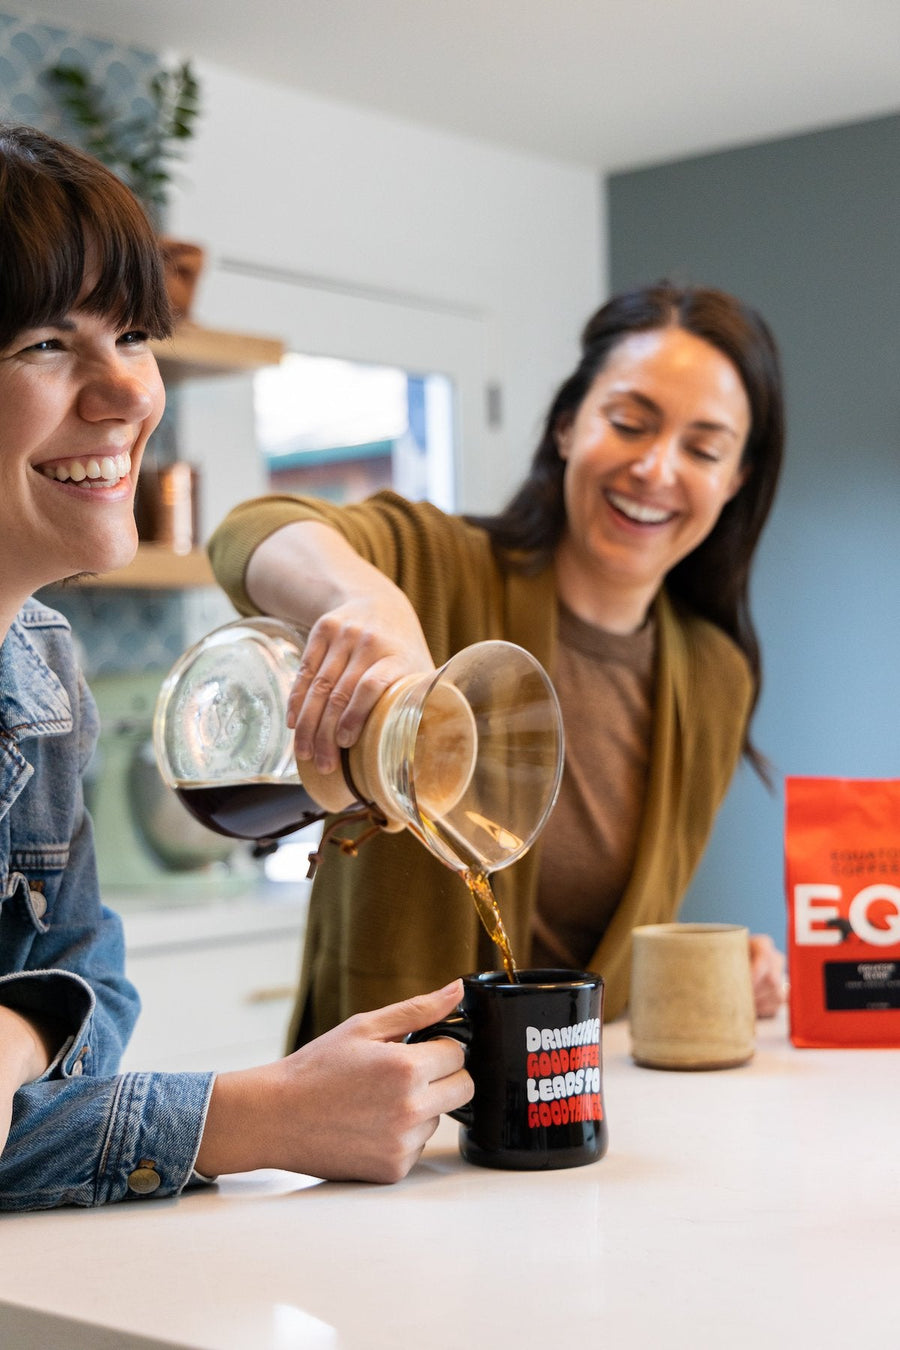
[{"x": 740, "y": 479}]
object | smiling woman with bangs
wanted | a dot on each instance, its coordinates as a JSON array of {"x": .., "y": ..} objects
[{"x": 81, "y": 293}]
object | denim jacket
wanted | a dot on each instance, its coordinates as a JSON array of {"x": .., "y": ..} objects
[{"x": 81, "y": 1134}]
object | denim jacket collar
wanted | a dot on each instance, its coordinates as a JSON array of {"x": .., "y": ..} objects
[{"x": 33, "y": 700}]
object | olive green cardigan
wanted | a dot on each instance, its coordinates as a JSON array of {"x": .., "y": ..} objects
[{"x": 394, "y": 921}]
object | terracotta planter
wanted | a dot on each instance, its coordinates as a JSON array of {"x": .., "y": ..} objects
[{"x": 183, "y": 264}]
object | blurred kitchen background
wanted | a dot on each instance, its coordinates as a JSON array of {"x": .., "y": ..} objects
[{"x": 408, "y": 211}]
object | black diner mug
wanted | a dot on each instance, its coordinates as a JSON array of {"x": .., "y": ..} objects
[{"x": 534, "y": 1051}]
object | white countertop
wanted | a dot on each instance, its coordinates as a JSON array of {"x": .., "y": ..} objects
[{"x": 755, "y": 1207}]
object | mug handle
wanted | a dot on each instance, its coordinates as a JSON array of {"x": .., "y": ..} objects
[{"x": 457, "y": 1027}]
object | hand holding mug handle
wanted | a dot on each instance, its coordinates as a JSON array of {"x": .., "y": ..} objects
[{"x": 458, "y": 1028}]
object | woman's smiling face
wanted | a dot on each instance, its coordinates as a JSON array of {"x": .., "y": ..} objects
[
  {"x": 652, "y": 455},
  {"x": 79, "y": 399}
]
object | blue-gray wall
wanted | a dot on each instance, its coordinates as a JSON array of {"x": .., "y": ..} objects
[{"x": 807, "y": 229}]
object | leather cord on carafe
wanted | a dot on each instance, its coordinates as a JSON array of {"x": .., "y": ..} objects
[{"x": 360, "y": 810}]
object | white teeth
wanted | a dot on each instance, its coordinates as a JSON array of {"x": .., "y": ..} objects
[
  {"x": 105, "y": 471},
  {"x": 637, "y": 511}
]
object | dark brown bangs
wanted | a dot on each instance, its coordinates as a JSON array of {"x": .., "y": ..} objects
[
  {"x": 130, "y": 287},
  {"x": 60, "y": 213}
]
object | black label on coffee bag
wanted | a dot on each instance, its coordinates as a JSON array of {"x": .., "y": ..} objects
[{"x": 862, "y": 986}]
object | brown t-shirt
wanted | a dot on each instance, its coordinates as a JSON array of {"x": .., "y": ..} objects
[{"x": 605, "y": 687}]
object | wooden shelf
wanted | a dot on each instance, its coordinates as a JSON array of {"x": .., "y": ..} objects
[
  {"x": 157, "y": 568},
  {"x": 194, "y": 352}
]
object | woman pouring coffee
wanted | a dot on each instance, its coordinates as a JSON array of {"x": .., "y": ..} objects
[{"x": 622, "y": 564}]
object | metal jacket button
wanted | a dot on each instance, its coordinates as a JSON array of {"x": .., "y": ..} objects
[
  {"x": 144, "y": 1180},
  {"x": 77, "y": 1068}
]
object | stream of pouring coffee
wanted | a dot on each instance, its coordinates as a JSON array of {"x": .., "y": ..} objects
[
  {"x": 488, "y": 911},
  {"x": 479, "y": 885}
]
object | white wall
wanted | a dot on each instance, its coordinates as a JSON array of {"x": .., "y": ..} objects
[{"x": 384, "y": 240}]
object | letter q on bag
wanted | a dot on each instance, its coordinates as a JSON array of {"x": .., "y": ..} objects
[{"x": 842, "y": 885}]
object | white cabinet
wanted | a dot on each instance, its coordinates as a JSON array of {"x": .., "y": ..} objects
[{"x": 216, "y": 980}]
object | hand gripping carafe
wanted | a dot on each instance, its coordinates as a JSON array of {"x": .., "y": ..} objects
[{"x": 468, "y": 757}]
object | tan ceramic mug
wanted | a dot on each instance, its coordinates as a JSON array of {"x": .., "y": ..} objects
[{"x": 691, "y": 1003}]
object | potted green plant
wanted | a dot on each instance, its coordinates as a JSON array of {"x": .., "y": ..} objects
[{"x": 140, "y": 149}]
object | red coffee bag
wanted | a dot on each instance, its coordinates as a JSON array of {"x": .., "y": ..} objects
[{"x": 842, "y": 883}]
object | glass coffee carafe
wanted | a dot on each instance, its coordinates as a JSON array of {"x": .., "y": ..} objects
[{"x": 468, "y": 757}]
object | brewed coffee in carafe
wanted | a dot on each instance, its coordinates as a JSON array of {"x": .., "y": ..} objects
[{"x": 468, "y": 757}]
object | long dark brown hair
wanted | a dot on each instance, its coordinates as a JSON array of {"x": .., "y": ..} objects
[
  {"x": 713, "y": 580},
  {"x": 56, "y": 204}
]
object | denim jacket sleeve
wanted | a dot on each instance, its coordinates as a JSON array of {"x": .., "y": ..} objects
[
  {"x": 88, "y": 1141},
  {"x": 81, "y": 1134}
]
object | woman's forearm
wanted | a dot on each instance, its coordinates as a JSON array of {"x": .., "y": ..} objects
[
  {"x": 307, "y": 568},
  {"x": 26, "y": 1049}
]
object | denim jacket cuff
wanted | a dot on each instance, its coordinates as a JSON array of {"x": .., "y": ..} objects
[
  {"x": 154, "y": 1136},
  {"x": 61, "y": 997}
]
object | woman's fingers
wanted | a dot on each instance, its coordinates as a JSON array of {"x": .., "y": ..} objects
[
  {"x": 321, "y": 692},
  {"x": 342, "y": 675},
  {"x": 767, "y": 973},
  {"x": 352, "y": 655}
]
